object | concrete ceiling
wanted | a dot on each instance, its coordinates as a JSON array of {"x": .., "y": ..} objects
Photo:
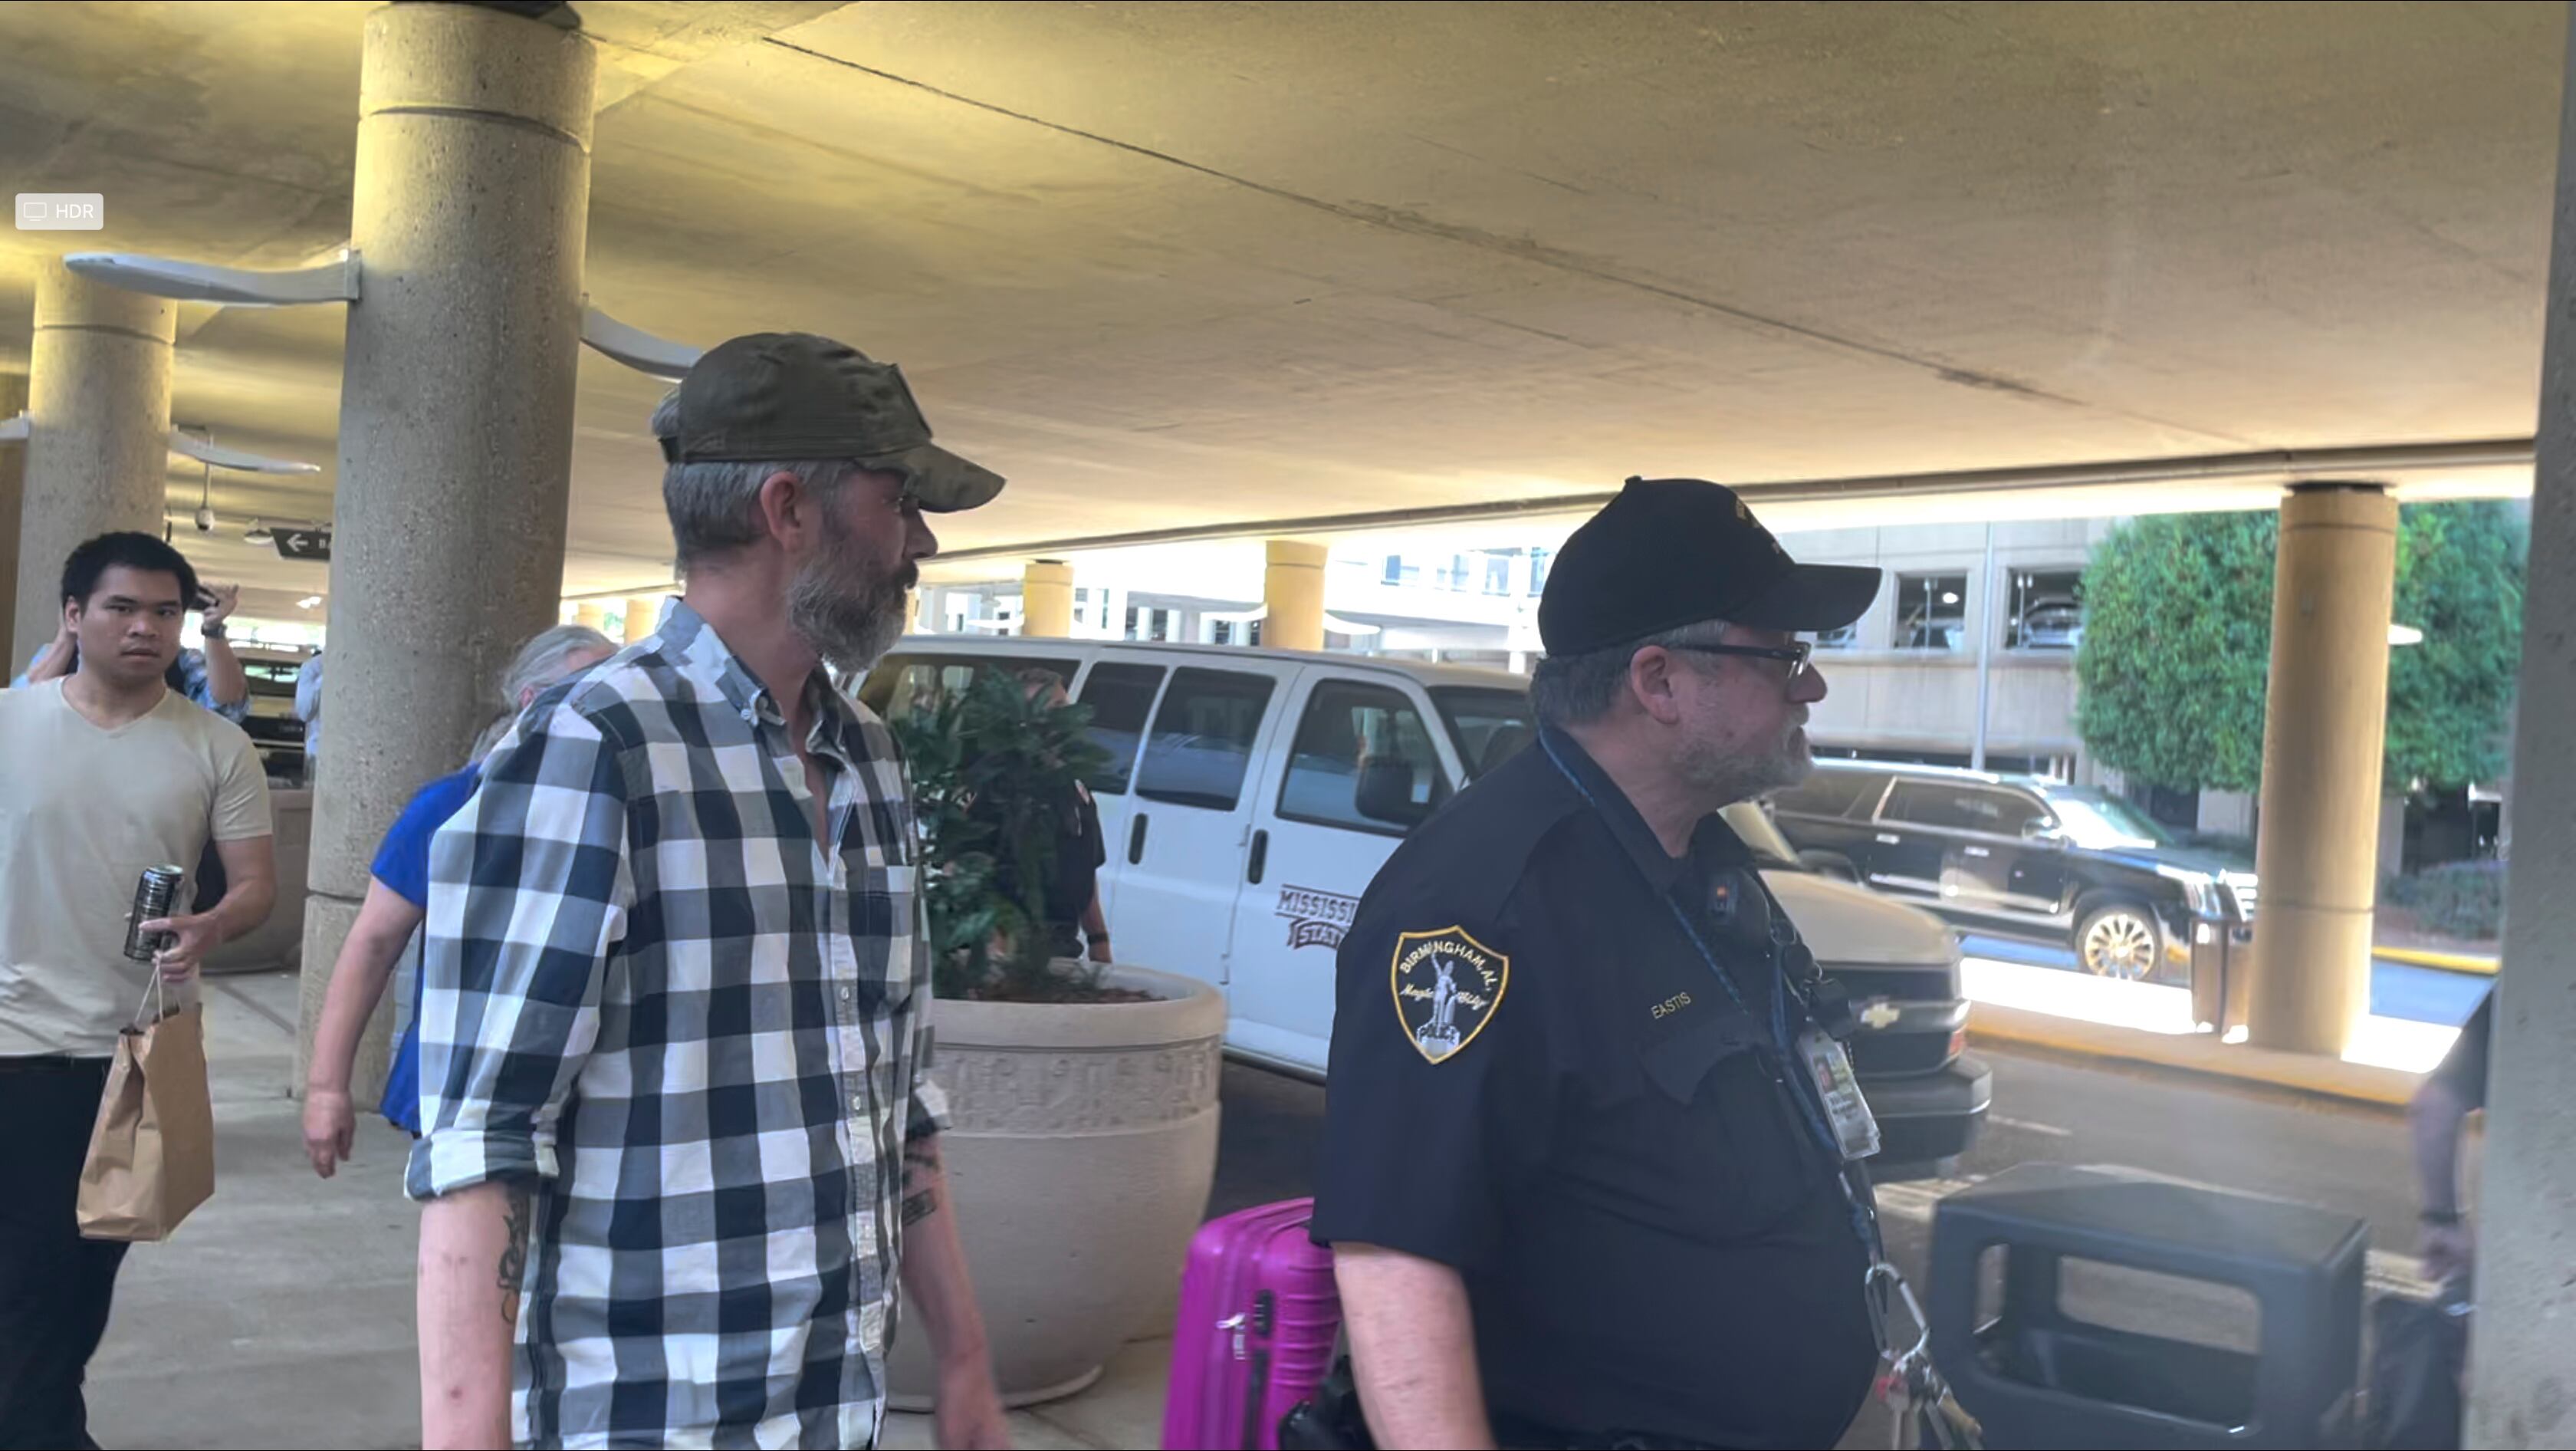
[{"x": 1169, "y": 263}]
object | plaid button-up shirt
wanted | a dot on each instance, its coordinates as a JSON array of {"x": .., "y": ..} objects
[{"x": 648, "y": 989}]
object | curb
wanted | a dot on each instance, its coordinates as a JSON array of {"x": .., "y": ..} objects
[
  {"x": 2448, "y": 961},
  {"x": 2195, "y": 1053}
]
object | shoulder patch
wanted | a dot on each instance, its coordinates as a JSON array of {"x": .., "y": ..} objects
[{"x": 1447, "y": 986}]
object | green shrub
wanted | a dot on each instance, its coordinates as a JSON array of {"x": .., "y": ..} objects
[
  {"x": 2456, "y": 899},
  {"x": 993, "y": 772}
]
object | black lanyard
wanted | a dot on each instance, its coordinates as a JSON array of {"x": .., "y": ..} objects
[{"x": 1786, "y": 1062}]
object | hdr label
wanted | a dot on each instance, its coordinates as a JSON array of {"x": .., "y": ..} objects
[{"x": 61, "y": 211}]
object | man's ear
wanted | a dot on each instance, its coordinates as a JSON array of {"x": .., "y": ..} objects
[
  {"x": 786, "y": 509},
  {"x": 71, "y": 613},
  {"x": 1650, "y": 683}
]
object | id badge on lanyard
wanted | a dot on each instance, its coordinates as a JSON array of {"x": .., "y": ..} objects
[{"x": 1829, "y": 1068}]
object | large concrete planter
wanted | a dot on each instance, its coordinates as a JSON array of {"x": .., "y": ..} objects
[{"x": 1080, "y": 1147}]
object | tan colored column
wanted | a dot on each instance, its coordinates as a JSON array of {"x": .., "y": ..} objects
[
  {"x": 98, "y": 398},
  {"x": 2325, "y": 730},
  {"x": 643, "y": 613},
  {"x": 1293, "y": 588},
  {"x": 2522, "y": 1378},
  {"x": 1046, "y": 599},
  {"x": 13, "y": 476},
  {"x": 591, "y": 615},
  {"x": 470, "y": 208}
]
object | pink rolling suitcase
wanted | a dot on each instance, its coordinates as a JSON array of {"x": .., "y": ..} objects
[{"x": 1255, "y": 1334}]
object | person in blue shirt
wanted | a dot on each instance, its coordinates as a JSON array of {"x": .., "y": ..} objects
[{"x": 397, "y": 899}]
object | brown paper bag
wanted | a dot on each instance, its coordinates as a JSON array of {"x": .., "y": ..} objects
[{"x": 152, "y": 1153}]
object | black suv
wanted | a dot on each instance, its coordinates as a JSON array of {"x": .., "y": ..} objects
[{"x": 2020, "y": 856}]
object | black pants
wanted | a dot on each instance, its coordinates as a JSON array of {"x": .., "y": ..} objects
[{"x": 54, "y": 1285}]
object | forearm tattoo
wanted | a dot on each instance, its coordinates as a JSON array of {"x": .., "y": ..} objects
[
  {"x": 920, "y": 1179},
  {"x": 514, "y": 1252}
]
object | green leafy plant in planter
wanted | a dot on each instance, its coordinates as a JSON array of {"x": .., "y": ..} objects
[{"x": 994, "y": 771}]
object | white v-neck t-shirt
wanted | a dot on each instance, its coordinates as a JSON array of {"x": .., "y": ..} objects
[{"x": 83, "y": 811}]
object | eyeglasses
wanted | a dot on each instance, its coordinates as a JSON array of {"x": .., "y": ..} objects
[{"x": 1795, "y": 653}]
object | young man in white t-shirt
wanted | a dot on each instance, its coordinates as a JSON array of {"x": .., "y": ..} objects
[{"x": 103, "y": 773}]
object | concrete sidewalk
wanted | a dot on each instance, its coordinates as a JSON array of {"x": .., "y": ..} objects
[{"x": 281, "y": 1313}]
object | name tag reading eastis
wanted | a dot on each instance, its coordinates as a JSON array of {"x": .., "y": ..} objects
[{"x": 1446, "y": 985}]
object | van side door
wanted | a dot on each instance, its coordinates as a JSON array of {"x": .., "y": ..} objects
[{"x": 1182, "y": 842}]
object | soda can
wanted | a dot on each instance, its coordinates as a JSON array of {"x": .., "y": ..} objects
[{"x": 153, "y": 898}]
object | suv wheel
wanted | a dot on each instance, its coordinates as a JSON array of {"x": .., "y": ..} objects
[{"x": 2121, "y": 940}]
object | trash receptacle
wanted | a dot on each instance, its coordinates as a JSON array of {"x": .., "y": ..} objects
[
  {"x": 2222, "y": 958},
  {"x": 2036, "y": 1375}
]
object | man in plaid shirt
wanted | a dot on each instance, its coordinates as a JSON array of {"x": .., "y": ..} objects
[{"x": 680, "y": 1146}]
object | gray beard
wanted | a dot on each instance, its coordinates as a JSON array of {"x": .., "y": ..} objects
[
  {"x": 850, "y": 620},
  {"x": 1731, "y": 778}
]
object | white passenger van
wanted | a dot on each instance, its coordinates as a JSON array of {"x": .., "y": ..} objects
[{"x": 1252, "y": 794}]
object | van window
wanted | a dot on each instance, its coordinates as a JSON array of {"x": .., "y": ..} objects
[
  {"x": 1363, "y": 761},
  {"x": 1119, "y": 697},
  {"x": 907, "y": 685},
  {"x": 1829, "y": 792},
  {"x": 1201, "y": 747},
  {"x": 1963, "y": 808},
  {"x": 1488, "y": 726}
]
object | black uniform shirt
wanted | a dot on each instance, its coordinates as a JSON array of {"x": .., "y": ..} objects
[{"x": 1581, "y": 1121}]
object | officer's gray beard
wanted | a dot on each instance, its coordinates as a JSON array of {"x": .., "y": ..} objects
[
  {"x": 1728, "y": 776},
  {"x": 850, "y": 614}
]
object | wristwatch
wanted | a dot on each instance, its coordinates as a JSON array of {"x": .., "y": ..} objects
[{"x": 211, "y": 632}]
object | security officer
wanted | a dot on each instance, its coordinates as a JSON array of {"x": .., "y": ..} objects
[{"x": 1584, "y": 1167}]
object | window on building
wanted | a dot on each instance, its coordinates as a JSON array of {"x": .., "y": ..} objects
[
  {"x": 2047, "y": 610},
  {"x": 1498, "y": 574},
  {"x": 1220, "y": 632},
  {"x": 1538, "y": 569},
  {"x": 1846, "y": 638},
  {"x": 1362, "y": 761},
  {"x": 1252, "y": 633},
  {"x": 1932, "y": 612},
  {"x": 1399, "y": 571},
  {"x": 1119, "y": 697},
  {"x": 1201, "y": 747}
]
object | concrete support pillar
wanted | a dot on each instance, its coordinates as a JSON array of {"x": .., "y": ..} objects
[
  {"x": 2522, "y": 1379},
  {"x": 98, "y": 397},
  {"x": 13, "y": 476},
  {"x": 470, "y": 210},
  {"x": 1046, "y": 599},
  {"x": 591, "y": 615},
  {"x": 643, "y": 616},
  {"x": 2325, "y": 731},
  {"x": 1293, "y": 587}
]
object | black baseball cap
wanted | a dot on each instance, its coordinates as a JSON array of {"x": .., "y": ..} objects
[
  {"x": 789, "y": 397},
  {"x": 1673, "y": 552}
]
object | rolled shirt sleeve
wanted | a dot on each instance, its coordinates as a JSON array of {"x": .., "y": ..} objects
[
  {"x": 927, "y": 1113},
  {"x": 530, "y": 889}
]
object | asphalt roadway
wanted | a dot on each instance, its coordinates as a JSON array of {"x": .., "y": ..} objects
[{"x": 2046, "y": 1108}]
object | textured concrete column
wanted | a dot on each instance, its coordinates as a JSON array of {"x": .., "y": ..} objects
[
  {"x": 13, "y": 475},
  {"x": 643, "y": 614},
  {"x": 2325, "y": 730},
  {"x": 470, "y": 213},
  {"x": 1046, "y": 599},
  {"x": 1293, "y": 587},
  {"x": 98, "y": 396},
  {"x": 2522, "y": 1375}
]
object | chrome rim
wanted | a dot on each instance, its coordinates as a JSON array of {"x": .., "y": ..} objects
[{"x": 2121, "y": 945}]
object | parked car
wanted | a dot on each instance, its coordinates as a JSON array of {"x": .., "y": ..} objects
[
  {"x": 1252, "y": 794},
  {"x": 2021, "y": 856}
]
